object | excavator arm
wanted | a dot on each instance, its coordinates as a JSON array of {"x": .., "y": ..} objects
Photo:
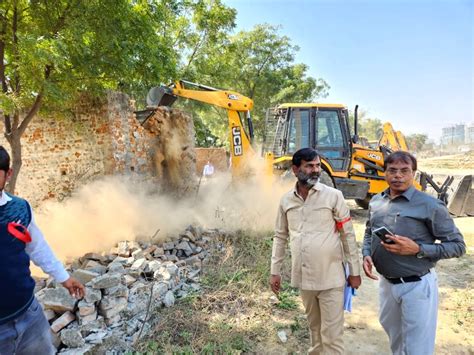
[
  {"x": 395, "y": 140},
  {"x": 236, "y": 104}
]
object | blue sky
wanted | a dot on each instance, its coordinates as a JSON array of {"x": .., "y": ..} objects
[{"x": 407, "y": 62}]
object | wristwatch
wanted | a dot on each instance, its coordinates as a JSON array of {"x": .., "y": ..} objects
[{"x": 420, "y": 254}]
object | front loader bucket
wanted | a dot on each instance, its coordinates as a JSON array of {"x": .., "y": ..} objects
[
  {"x": 462, "y": 202},
  {"x": 160, "y": 96}
]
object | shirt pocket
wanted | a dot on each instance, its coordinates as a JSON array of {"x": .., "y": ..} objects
[
  {"x": 322, "y": 220},
  {"x": 410, "y": 225},
  {"x": 294, "y": 219}
]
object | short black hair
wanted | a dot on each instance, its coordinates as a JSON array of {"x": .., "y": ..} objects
[
  {"x": 306, "y": 154},
  {"x": 401, "y": 156},
  {"x": 4, "y": 159}
]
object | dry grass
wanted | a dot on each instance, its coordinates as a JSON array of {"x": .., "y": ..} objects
[
  {"x": 235, "y": 313},
  {"x": 231, "y": 314}
]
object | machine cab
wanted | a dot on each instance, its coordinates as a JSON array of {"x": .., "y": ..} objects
[{"x": 321, "y": 126}]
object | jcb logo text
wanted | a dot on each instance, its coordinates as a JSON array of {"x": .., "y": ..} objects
[{"x": 237, "y": 140}]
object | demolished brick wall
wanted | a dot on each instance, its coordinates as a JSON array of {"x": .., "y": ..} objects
[
  {"x": 174, "y": 151},
  {"x": 60, "y": 155}
]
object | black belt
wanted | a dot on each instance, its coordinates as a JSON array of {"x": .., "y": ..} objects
[{"x": 402, "y": 280}]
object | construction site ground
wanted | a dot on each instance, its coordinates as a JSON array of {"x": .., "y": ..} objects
[{"x": 237, "y": 313}]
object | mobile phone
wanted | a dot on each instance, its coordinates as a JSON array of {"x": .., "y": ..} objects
[{"x": 381, "y": 232}]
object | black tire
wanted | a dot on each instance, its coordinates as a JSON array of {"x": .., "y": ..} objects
[
  {"x": 364, "y": 203},
  {"x": 326, "y": 179}
]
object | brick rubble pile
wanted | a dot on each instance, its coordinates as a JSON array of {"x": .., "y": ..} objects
[{"x": 123, "y": 288}]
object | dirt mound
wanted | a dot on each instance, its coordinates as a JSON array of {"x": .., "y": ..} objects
[{"x": 456, "y": 161}]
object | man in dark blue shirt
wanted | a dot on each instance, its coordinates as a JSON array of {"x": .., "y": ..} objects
[
  {"x": 23, "y": 326},
  {"x": 406, "y": 260}
]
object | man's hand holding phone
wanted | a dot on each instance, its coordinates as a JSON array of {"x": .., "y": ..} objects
[
  {"x": 396, "y": 244},
  {"x": 384, "y": 235}
]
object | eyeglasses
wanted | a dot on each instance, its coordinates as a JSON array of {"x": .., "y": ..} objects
[{"x": 404, "y": 171}]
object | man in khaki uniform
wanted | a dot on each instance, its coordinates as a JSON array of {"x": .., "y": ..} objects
[{"x": 317, "y": 222}]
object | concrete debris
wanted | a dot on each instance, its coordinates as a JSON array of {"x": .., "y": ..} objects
[
  {"x": 85, "y": 308},
  {"x": 84, "y": 275},
  {"x": 62, "y": 321},
  {"x": 49, "y": 314},
  {"x": 106, "y": 281},
  {"x": 56, "y": 299},
  {"x": 169, "y": 299},
  {"x": 81, "y": 351},
  {"x": 72, "y": 338},
  {"x": 92, "y": 295},
  {"x": 282, "y": 336},
  {"x": 96, "y": 338},
  {"x": 133, "y": 280},
  {"x": 174, "y": 152},
  {"x": 96, "y": 257},
  {"x": 116, "y": 267}
]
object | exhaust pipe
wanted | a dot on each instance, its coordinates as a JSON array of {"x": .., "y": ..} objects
[{"x": 355, "y": 137}]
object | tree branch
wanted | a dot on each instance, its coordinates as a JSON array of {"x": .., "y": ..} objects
[
  {"x": 36, "y": 105},
  {"x": 15, "y": 51},
  {"x": 3, "y": 32},
  {"x": 29, "y": 116},
  {"x": 8, "y": 125},
  {"x": 196, "y": 48},
  {"x": 259, "y": 70}
]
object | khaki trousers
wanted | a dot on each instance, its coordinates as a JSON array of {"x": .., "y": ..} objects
[{"x": 325, "y": 313}]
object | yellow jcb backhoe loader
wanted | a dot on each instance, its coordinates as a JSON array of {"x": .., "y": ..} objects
[
  {"x": 394, "y": 140},
  {"x": 238, "y": 112},
  {"x": 349, "y": 166}
]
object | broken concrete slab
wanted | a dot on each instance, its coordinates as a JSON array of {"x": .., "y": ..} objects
[
  {"x": 84, "y": 276},
  {"x": 63, "y": 321},
  {"x": 92, "y": 295},
  {"x": 57, "y": 299},
  {"x": 72, "y": 338},
  {"x": 106, "y": 281}
]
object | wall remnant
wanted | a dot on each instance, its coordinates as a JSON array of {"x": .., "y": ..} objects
[{"x": 62, "y": 154}]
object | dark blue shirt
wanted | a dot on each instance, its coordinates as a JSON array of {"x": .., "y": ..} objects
[
  {"x": 416, "y": 215},
  {"x": 16, "y": 283}
]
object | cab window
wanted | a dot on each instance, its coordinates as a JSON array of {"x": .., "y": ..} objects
[
  {"x": 329, "y": 132},
  {"x": 298, "y": 130},
  {"x": 330, "y": 141}
]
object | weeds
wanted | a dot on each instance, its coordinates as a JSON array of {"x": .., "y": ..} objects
[
  {"x": 288, "y": 297},
  {"x": 230, "y": 314}
]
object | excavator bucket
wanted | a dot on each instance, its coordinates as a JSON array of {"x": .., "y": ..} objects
[
  {"x": 160, "y": 96},
  {"x": 462, "y": 202}
]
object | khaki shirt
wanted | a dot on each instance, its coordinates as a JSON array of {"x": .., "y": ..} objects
[{"x": 318, "y": 249}]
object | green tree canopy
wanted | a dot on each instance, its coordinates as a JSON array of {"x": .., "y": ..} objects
[
  {"x": 54, "y": 51},
  {"x": 258, "y": 64},
  {"x": 416, "y": 141}
]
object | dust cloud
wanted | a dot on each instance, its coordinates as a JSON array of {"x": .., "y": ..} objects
[
  {"x": 174, "y": 154},
  {"x": 116, "y": 208}
]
